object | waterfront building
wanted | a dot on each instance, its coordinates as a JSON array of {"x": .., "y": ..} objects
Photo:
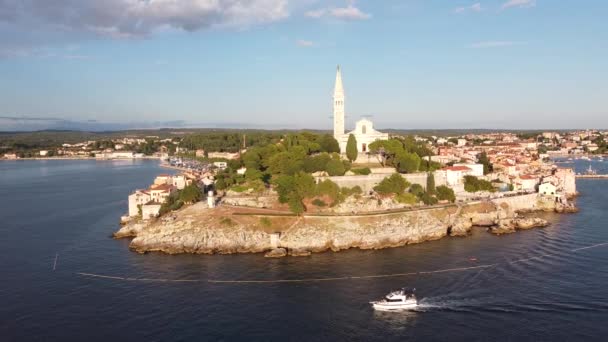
[
  {"x": 547, "y": 189},
  {"x": 137, "y": 199},
  {"x": 159, "y": 193},
  {"x": 364, "y": 130}
]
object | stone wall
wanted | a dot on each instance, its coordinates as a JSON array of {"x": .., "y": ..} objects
[
  {"x": 367, "y": 183},
  {"x": 521, "y": 202}
]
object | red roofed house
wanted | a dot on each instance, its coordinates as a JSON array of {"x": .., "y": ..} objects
[
  {"x": 454, "y": 175},
  {"x": 527, "y": 183}
]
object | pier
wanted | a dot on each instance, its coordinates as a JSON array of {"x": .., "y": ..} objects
[{"x": 592, "y": 176}]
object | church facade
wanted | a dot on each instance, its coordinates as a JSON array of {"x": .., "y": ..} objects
[{"x": 364, "y": 130}]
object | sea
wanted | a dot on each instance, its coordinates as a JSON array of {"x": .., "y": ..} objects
[{"x": 63, "y": 277}]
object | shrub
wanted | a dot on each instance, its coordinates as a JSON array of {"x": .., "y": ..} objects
[
  {"x": 395, "y": 184},
  {"x": 335, "y": 168},
  {"x": 319, "y": 203},
  {"x": 474, "y": 184},
  {"x": 362, "y": 171},
  {"x": 190, "y": 194},
  {"x": 417, "y": 190},
  {"x": 328, "y": 188},
  {"x": 445, "y": 193},
  {"x": 316, "y": 163},
  {"x": 428, "y": 199},
  {"x": 356, "y": 190},
  {"x": 407, "y": 162},
  {"x": 347, "y": 165},
  {"x": 407, "y": 198}
]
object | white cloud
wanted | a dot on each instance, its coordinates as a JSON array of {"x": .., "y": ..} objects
[
  {"x": 519, "y": 3},
  {"x": 349, "y": 12},
  {"x": 494, "y": 44},
  {"x": 476, "y": 7},
  {"x": 316, "y": 14},
  {"x": 127, "y": 18},
  {"x": 305, "y": 43}
]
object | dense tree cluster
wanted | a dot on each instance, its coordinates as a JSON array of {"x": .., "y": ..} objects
[
  {"x": 190, "y": 194},
  {"x": 394, "y": 184},
  {"x": 474, "y": 184},
  {"x": 404, "y": 154}
]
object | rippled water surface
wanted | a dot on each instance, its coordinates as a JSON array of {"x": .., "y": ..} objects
[{"x": 541, "y": 285}]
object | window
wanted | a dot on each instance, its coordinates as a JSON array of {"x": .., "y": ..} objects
[
  {"x": 364, "y": 129},
  {"x": 364, "y": 148}
]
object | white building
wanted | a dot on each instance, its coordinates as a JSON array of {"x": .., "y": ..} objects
[
  {"x": 136, "y": 199},
  {"x": 364, "y": 130},
  {"x": 44, "y": 153},
  {"x": 527, "y": 182},
  {"x": 180, "y": 182},
  {"x": 454, "y": 175},
  {"x": 547, "y": 189},
  {"x": 476, "y": 169}
]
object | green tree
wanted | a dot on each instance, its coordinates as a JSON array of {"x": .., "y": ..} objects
[
  {"x": 329, "y": 144},
  {"x": 487, "y": 166},
  {"x": 445, "y": 193},
  {"x": 407, "y": 162},
  {"x": 428, "y": 199},
  {"x": 395, "y": 184},
  {"x": 190, "y": 194},
  {"x": 335, "y": 168},
  {"x": 292, "y": 189},
  {"x": 430, "y": 183},
  {"x": 351, "y": 148},
  {"x": 417, "y": 190},
  {"x": 316, "y": 163},
  {"x": 474, "y": 184}
]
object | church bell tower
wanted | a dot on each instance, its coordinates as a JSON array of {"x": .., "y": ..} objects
[{"x": 338, "y": 106}]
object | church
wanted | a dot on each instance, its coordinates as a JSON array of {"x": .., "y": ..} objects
[{"x": 364, "y": 130}]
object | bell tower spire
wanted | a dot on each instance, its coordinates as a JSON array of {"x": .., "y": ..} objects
[{"x": 338, "y": 106}]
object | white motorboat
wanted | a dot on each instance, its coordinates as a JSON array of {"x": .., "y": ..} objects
[{"x": 403, "y": 299}]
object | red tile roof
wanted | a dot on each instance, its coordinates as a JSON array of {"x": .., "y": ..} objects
[{"x": 456, "y": 168}]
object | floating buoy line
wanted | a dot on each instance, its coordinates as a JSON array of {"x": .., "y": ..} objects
[{"x": 312, "y": 280}]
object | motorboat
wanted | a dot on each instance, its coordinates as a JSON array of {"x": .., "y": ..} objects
[{"x": 403, "y": 299}]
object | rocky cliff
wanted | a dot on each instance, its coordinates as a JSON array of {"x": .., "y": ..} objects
[{"x": 197, "y": 229}]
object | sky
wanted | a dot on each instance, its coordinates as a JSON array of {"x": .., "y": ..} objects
[{"x": 408, "y": 64}]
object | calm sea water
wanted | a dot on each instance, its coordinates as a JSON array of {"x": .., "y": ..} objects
[{"x": 72, "y": 207}]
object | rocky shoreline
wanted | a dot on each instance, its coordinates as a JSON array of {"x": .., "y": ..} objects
[{"x": 197, "y": 229}]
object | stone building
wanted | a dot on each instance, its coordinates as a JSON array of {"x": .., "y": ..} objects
[{"x": 364, "y": 130}]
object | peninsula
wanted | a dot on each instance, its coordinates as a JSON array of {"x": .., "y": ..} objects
[{"x": 300, "y": 193}]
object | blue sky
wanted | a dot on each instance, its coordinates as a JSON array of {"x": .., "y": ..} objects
[{"x": 271, "y": 63}]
